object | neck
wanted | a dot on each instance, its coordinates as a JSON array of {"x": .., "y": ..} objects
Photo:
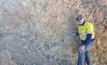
[{"x": 82, "y": 23}]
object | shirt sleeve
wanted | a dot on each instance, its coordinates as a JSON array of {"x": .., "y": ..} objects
[
  {"x": 89, "y": 29},
  {"x": 77, "y": 33},
  {"x": 89, "y": 34},
  {"x": 87, "y": 40}
]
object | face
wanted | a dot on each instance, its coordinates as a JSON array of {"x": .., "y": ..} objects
[{"x": 80, "y": 20}]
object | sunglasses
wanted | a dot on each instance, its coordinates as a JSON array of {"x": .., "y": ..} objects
[{"x": 79, "y": 19}]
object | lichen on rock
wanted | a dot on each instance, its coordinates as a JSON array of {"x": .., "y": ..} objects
[{"x": 38, "y": 32}]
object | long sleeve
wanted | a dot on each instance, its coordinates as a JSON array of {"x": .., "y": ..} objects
[
  {"x": 77, "y": 33},
  {"x": 88, "y": 39}
]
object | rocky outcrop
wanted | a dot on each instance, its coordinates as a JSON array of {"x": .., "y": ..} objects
[{"x": 38, "y": 32}]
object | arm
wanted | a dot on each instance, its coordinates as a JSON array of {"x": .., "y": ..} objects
[
  {"x": 74, "y": 34},
  {"x": 89, "y": 32},
  {"x": 87, "y": 40},
  {"x": 77, "y": 33}
]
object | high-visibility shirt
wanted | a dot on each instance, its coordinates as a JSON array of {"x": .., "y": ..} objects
[{"x": 86, "y": 28}]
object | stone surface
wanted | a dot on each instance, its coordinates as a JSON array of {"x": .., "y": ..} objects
[{"x": 37, "y": 32}]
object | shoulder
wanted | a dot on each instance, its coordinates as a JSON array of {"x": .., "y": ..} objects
[{"x": 88, "y": 24}]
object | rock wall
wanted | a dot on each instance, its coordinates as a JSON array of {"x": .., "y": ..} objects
[{"x": 37, "y": 32}]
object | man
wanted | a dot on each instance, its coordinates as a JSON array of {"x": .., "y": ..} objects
[{"x": 87, "y": 37}]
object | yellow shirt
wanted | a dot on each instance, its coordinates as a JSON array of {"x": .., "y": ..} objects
[{"x": 85, "y": 29}]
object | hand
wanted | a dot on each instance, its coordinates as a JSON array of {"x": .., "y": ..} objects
[
  {"x": 82, "y": 48},
  {"x": 73, "y": 34}
]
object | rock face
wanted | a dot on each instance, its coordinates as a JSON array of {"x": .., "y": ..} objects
[{"x": 37, "y": 32}]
